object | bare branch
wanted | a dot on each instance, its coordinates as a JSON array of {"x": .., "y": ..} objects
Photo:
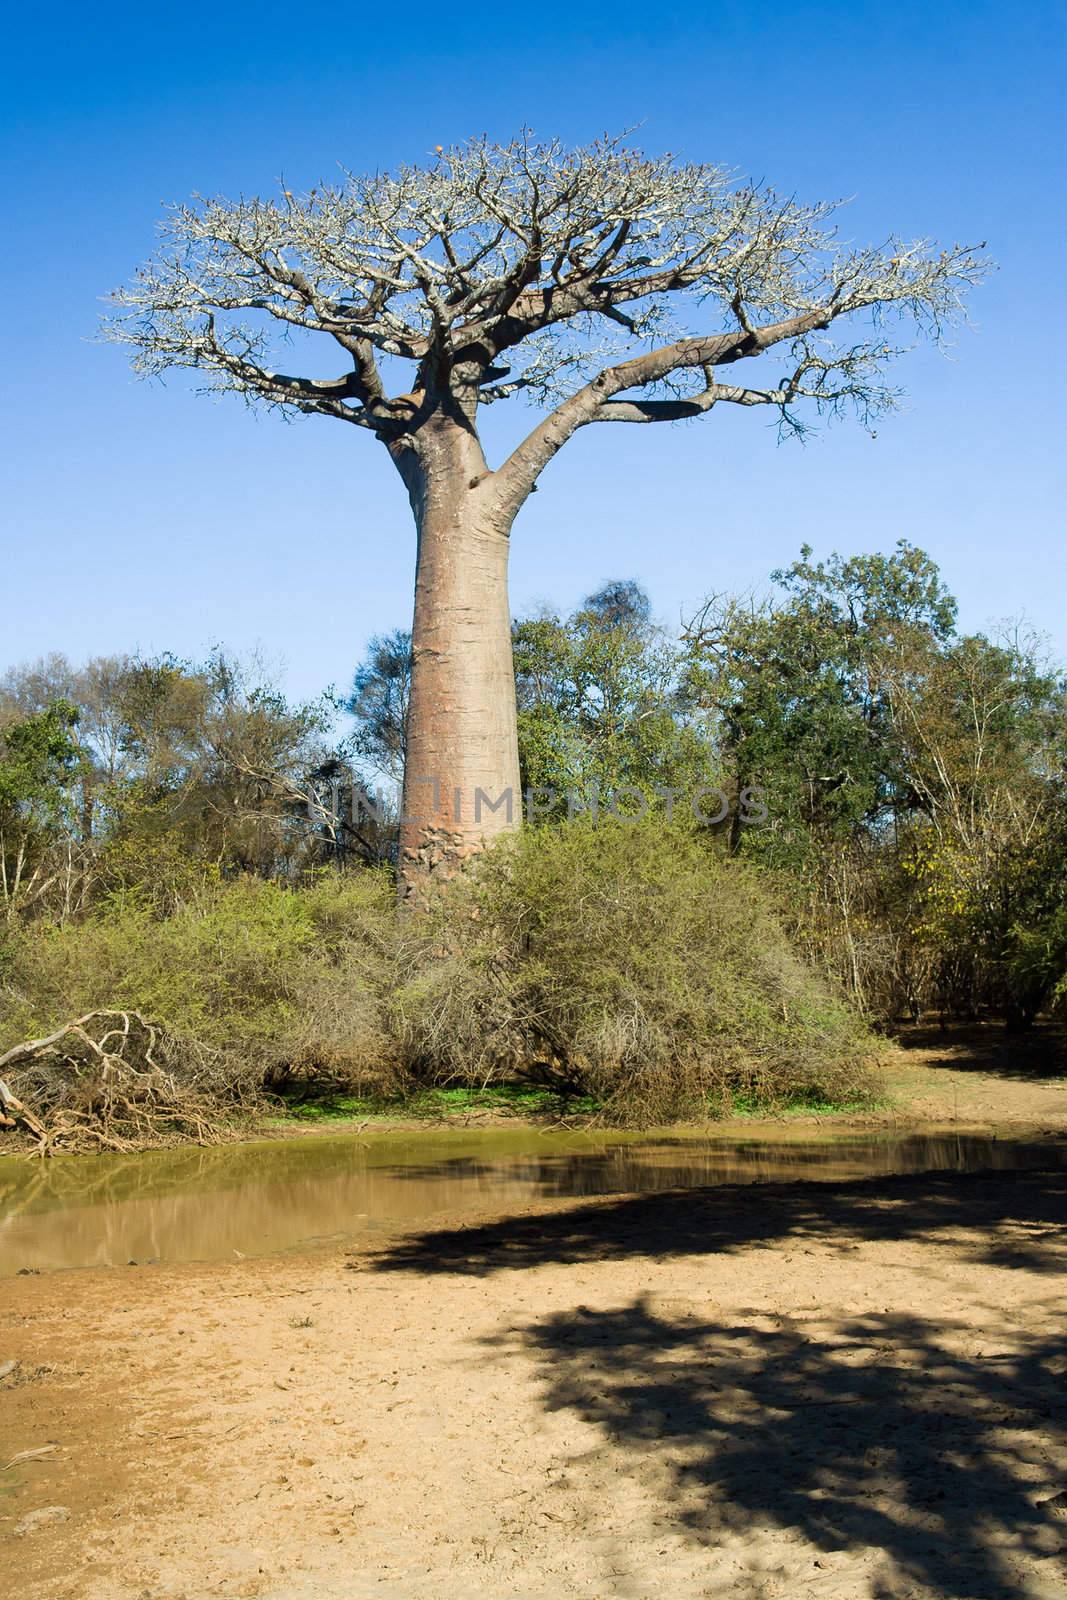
[
  {"x": 596, "y": 270},
  {"x": 522, "y": 468}
]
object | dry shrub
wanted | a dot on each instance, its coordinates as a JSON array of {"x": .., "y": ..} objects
[
  {"x": 265, "y": 981},
  {"x": 632, "y": 963},
  {"x": 336, "y": 1026}
]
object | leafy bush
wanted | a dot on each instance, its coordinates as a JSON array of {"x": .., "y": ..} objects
[
  {"x": 632, "y": 963},
  {"x": 279, "y": 979}
]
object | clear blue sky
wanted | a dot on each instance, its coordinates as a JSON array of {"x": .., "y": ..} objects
[{"x": 146, "y": 517}]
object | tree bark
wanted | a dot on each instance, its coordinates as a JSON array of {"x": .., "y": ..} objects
[{"x": 461, "y": 773}]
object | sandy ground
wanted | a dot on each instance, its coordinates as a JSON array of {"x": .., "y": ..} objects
[
  {"x": 830, "y": 1390},
  {"x": 977, "y": 1075}
]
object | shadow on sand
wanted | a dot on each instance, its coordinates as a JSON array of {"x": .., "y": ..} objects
[
  {"x": 920, "y": 1458},
  {"x": 1036, "y": 1056},
  {"x": 873, "y": 1436},
  {"x": 1011, "y": 1219}
]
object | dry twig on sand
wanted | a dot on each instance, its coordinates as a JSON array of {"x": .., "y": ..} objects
[{"x": 30, "y": 1455}]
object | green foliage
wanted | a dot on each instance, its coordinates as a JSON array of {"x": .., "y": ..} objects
[
  {"x": 378, "y": 703},
  {"x": 914, "y": 777},
  {"x": 39, "y": 759},
  {"x": 279, "y": 979},
  {"x": 625, "y": 968},
  {"x": 156, "y": 853},
  {"x": 213, "y": 969},
  {"x": 1037, "y": 966},
  {"x": 325, "y": 1103},
  {"x": 598, "y": 701},
  {"x": 38, "y": 756},
  {"x": 630, "y": 962},
  {"x": 148, "y": 774},
  {"x": 801, "y": 688}
]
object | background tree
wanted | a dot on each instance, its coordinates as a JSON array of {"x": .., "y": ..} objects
[
  {"x": 598, "y": 696},
  {"x": 599, "y": 704},
  {"x": 38, "y": 759},
  {"x": 378, "y": 704},
  {"x": 141, "y": 776},
  {"x": 982, "y": 734},
  {"x": 608, "y": 286},
  {"x": 799, "y": 685},
  {"x": 914, "y": 780}
]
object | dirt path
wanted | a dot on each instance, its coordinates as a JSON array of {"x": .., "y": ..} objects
[{"x": 831, "y": 1390}]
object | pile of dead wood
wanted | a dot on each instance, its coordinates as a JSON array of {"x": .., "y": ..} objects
[{"x": 111, "y": 1080}]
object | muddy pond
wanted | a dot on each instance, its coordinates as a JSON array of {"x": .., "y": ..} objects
[{"x": 230, "y": 1201}]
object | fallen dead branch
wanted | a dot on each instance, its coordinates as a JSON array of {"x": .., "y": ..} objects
[
  {"x": 112, "y": 1080},
  {"x": 15, "y": 1112},
  {"x": 30, "y": 1455}
]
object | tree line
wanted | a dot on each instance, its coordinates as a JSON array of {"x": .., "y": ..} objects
[{"x": 912, "y": 824}]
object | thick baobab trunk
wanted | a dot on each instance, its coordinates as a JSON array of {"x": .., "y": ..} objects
[{"x": 461, "y": 772}]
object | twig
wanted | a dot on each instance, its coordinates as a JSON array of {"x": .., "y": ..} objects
[{"x": 30, "y": 1455}]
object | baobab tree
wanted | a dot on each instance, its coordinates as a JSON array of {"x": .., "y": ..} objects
[{"x": 596, "y": 283}]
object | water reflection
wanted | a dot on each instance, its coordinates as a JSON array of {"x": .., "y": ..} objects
[{"x": 188, "y": 1205}]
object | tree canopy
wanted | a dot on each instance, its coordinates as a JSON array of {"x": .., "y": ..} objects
[{"x": 610, "y": 285}]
